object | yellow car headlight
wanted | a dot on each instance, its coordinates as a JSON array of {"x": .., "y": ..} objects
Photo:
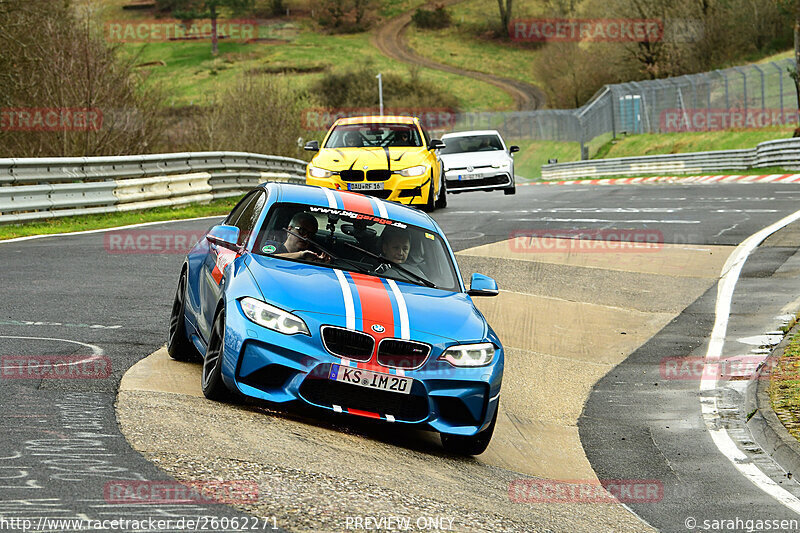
[
  {"x": 418, "y": 170},
  {"x": 317, "y": 172}
]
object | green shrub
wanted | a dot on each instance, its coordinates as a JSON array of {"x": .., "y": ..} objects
[
  {"x": 435, "y": 19},
  {"x": 359, "y": 88}
]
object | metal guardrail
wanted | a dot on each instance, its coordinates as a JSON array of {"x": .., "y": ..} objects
[
  {"x": 38, "y": 188},
  {"x": 780, "y": 153}
]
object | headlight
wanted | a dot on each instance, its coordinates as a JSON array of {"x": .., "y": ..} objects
[
  {"x": 500, "y": 165},
  {"x": 469, "y": 354},
  {"x": 419, "y": 170},
  {"x": 273, "y": 318},
  {"x": 317, "y": 172}
]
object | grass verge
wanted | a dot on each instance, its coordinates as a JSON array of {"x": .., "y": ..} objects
[
  {"x": 784, "y": 387},
  {"x": 111, "y": 220},
  {"x": 684, "y": 142}
]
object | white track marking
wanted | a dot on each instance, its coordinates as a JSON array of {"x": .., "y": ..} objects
[
  {"x": 349, "y": 305},
  {"x": 405, "y": 332},
  {"x": 97, "y": 352},
  {"x": 729, "y": 277}
]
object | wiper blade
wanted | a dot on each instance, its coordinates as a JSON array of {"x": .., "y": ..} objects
[{"x": 398, "y": 266}]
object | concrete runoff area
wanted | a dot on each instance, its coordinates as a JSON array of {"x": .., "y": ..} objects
[{"x": 565, "y": 320}]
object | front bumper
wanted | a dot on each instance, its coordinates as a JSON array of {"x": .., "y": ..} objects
[
  {"x": 482, "y": 181},
  {"x": 267, "y": 365},
  {"x": 410, "y": 191}
]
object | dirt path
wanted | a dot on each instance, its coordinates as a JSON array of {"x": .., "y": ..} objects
[{"x": 390, "y": 40}]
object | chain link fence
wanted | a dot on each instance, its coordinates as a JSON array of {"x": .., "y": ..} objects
[{"x": 752, "y": 96}]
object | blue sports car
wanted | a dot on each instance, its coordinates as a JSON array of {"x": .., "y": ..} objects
[{"x": 344, "y": 302}]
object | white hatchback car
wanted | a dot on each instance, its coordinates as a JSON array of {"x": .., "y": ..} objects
[{"x": 478, "y": 161}]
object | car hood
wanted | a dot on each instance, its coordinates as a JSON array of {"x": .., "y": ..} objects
[
  {"x": 474, "y": 159},
  {"x": 309, "y": 289},
  {"x": 391, "y": 158}
]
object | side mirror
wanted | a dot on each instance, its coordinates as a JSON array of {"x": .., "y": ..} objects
[
  {"x": 312, "y": 146},
  {"x": 225, "y": 236},
  {"x": 481, "y": 285},
  {"x": 436, "y": 144},
  {"x": 512, "y": 149}
]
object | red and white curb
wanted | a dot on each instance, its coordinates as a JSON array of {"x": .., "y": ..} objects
[{"x": 725, "y": 178}]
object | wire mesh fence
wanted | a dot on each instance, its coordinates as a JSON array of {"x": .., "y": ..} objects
[{"x": 752, "y": 96}]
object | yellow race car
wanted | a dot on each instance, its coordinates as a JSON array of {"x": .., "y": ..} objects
[{"x": 390, "y": 157}]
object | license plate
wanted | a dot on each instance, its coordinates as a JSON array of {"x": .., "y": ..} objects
[
  {"x": 369, "y": 379},
  {"x": 468, "y": 176},
  {"x": 365, "y": 186}
]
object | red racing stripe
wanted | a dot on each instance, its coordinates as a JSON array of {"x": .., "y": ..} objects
[
  {"x": 366, "y": 414},
  {"x": 376, "y": 310},
  {"x": 358, "y": 203}
]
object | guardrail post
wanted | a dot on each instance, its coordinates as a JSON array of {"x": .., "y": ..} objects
[{"x": 744, "y": 88}]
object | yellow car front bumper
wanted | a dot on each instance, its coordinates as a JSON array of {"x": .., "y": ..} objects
[{"x": 410, "y": 191}]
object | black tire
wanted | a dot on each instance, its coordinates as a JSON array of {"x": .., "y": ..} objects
[
  {"x": 430, "y": 205},
  {"x": 211, "y": 379},
  {"x": 474, "y": 445},
  {"x": 512, "y": 190},
  {"x": 441, "y": 202},
  {"x": 179, "y": 346}
]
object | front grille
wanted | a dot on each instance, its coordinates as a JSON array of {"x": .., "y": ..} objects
[
  {"x": 453, "y": 411},
  {"x": 473, "y": 168},
  {"x": 383, "y": 195},
  {"x": 352, "y": 175},
  {"x": 500, "y": 179},
  {"x": 378, "y": 175},
  {"x": 405, "y": 193},
  {"x": 403, "y": 407},
  {"x": 347, "y": 343},
  {"x": 269, "y": 378},
  {"x": 398, "y": 353}
]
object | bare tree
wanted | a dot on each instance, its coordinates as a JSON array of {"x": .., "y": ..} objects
[
  {"x": 192, "y": 9},
  {"x": 505, "y": 15},
  {"x": 55, "y": 63}
]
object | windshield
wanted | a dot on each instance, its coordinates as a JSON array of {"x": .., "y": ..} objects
[
  {"x": 472, "y": 143},
  {"x": 336, "y": 238},
  {"x": 373, "y": 135}
]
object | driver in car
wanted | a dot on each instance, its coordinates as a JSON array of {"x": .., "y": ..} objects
[
  {"x": 352, "y": 140},
  {"x": 302, "y": 226}
]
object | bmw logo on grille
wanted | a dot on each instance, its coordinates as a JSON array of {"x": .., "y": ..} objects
[
  {"x": 377, "y": 328},
  {"x": 366, "y": 167}
]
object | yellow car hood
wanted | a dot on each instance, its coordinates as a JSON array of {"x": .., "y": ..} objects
[{"x": 390, "y": 158}]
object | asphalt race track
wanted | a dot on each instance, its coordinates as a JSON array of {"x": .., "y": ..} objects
[{"x": 61, "y": 445}]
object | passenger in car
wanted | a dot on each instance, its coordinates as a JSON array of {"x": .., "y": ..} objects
[{"x": 396, "y": 246}]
